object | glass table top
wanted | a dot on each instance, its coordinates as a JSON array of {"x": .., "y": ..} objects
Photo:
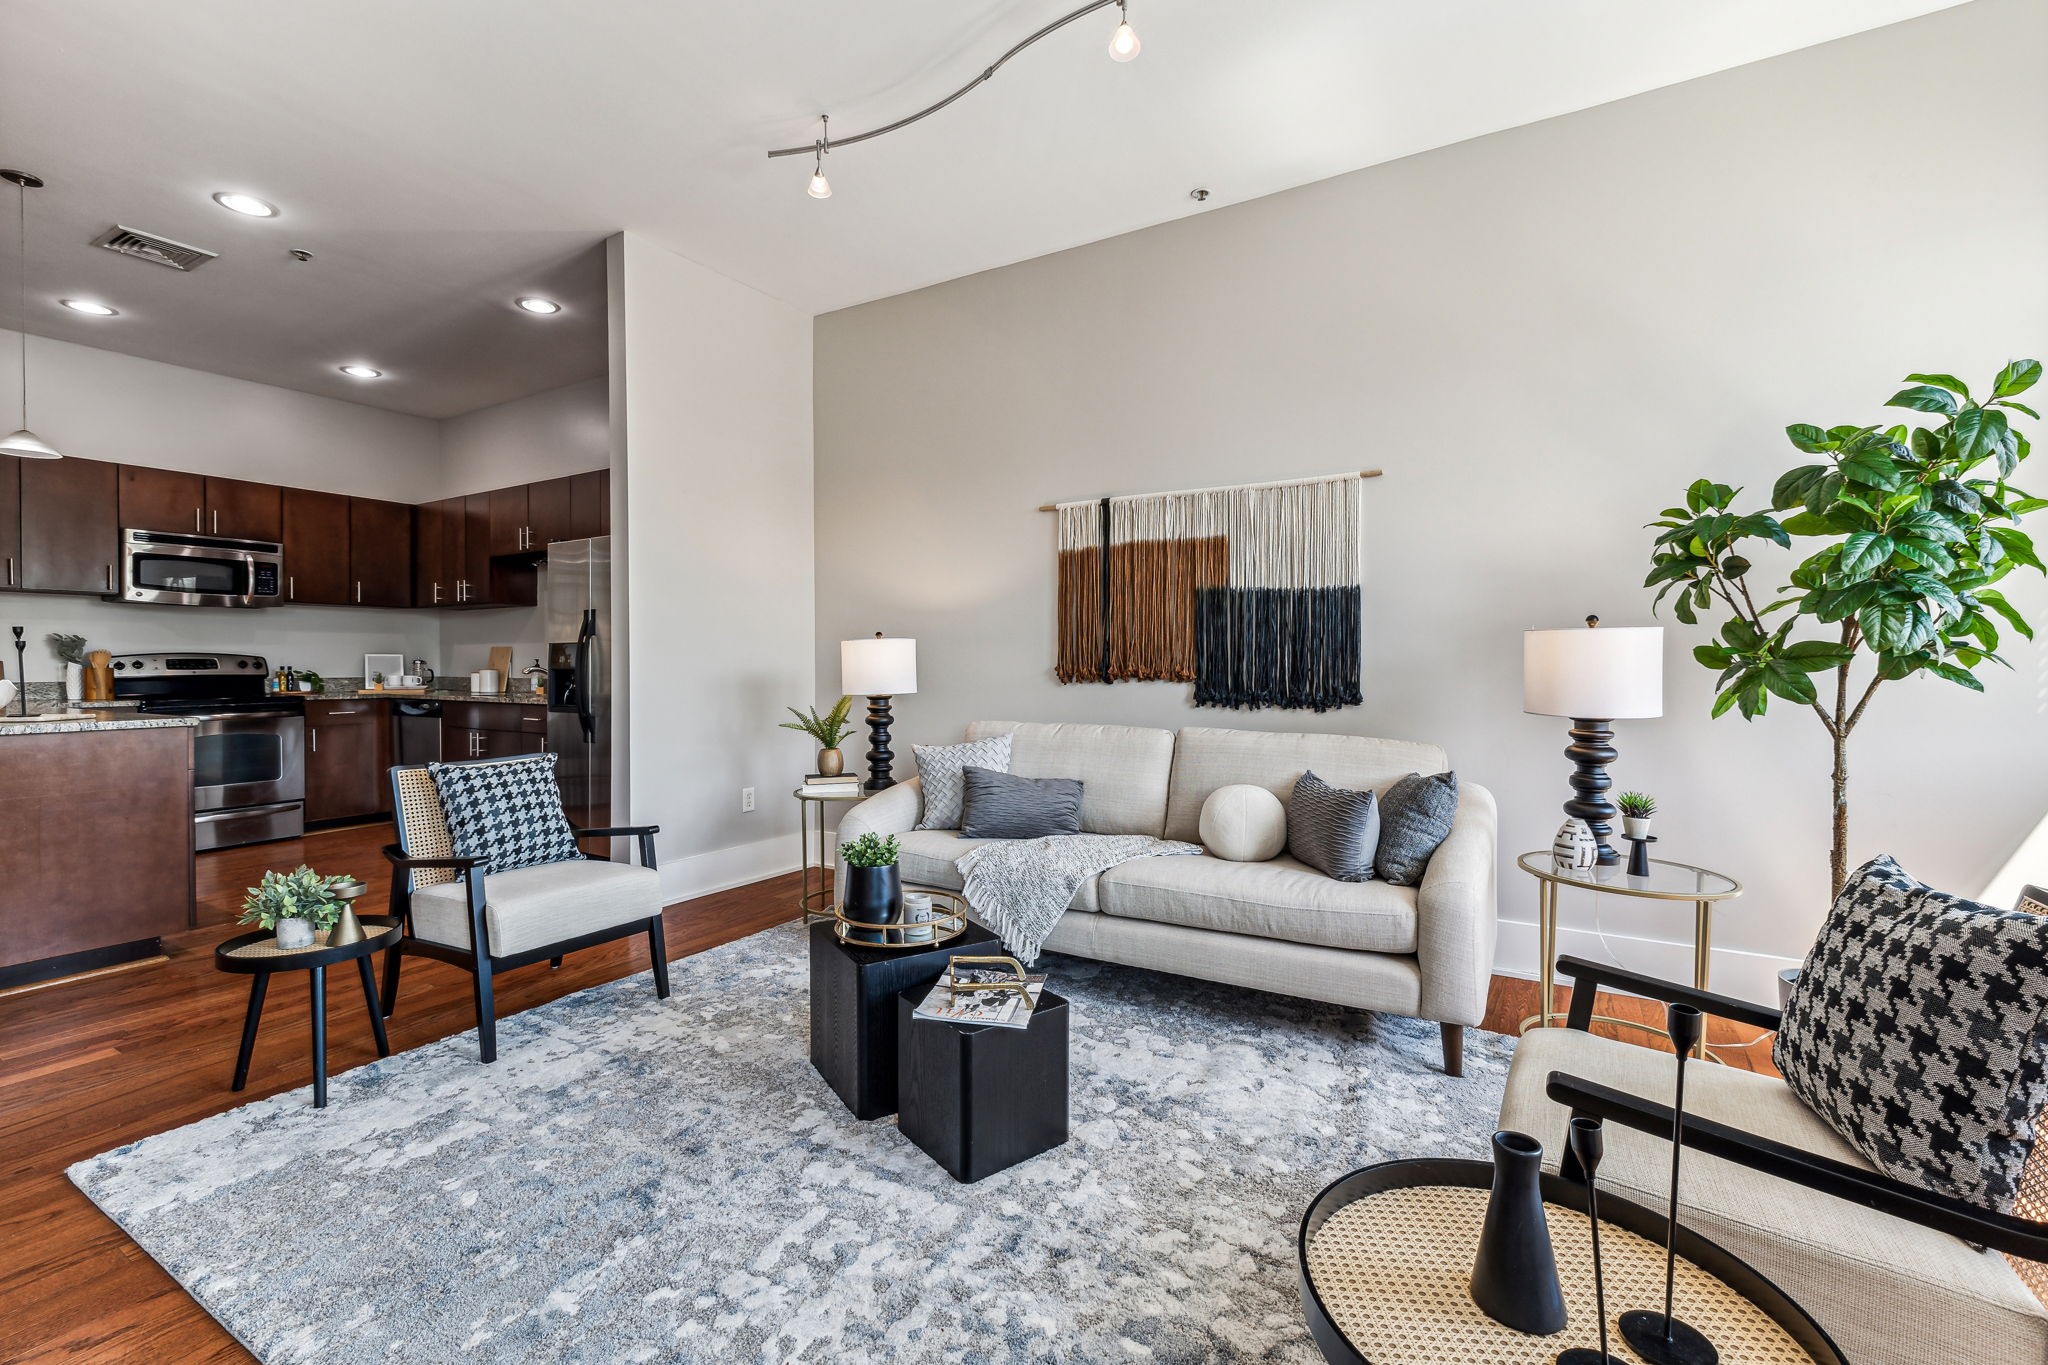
[{"x": 1667, "y": 880}]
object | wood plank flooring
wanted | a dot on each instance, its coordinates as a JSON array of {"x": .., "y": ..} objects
[{"x": 90, "y": 1064}]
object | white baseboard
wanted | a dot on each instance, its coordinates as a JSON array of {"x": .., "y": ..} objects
[
  {"x": 1744, "y": 975},
  {"x": 722, "y": 869}
]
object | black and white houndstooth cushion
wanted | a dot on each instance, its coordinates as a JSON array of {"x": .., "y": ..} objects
[
  {"x": 1917, "y": 1032},
  {"x": 509, "y": 812}
]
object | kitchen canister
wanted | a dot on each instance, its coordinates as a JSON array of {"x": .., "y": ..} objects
[
  {"x": 484, "y": 680},
  {"x": 1574, "y": 849},
  {"x": 917, "y": 917}
]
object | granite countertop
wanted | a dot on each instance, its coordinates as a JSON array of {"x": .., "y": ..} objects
[
  {"x": 67, "y": 727},
  {"x": 432, "y": 694}
]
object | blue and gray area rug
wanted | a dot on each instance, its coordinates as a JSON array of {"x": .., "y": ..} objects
[{"x": 636, "y": 1180}]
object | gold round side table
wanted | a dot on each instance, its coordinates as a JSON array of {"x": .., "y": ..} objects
[
  {"x": 1667, "y": 881},
  {"x": 816, "y": 901}
]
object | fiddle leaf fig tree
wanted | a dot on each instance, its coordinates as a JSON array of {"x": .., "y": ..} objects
[{"x": 1907, "y": 531}]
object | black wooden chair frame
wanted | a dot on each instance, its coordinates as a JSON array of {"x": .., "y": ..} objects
[
  {"x": 484, "y": 966},
  {"x": 2009, "y": 1233}
]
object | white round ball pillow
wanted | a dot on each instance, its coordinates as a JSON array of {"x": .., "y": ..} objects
[{"x": 1243, "y": 824}]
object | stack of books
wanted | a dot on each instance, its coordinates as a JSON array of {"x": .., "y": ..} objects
[{"x": 840, "y": 784}]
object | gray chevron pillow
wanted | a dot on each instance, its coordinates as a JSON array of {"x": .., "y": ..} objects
[{"x": 938, "y": 770}]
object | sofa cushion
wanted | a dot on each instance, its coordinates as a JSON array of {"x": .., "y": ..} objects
[
  {"x": 1205, "y": 759},
  {"x": 1415, "y": 819},
  {"x": 1244, "y": 824},
  {"x": 1282, "y": 899},
  {"x": 533, "y": 907},
  {"x": 926, "y": 857},
  {"x": 1334, "y": 830},
  {"x": 1124, "y": 769},
  {"x": 1886, "y": 1290},
  {"x": 1006, "y": 806},
  {"x": 939, "y": 775}
]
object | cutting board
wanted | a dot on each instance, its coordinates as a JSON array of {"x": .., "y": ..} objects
[{"x": 501, "y": 663}]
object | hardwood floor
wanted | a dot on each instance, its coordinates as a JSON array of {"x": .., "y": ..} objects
[{"x": 90, "y": 1064}]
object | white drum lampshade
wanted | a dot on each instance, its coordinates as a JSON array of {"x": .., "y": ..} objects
[
  {"x": 1593, "y": 676},
  {"x": 880, "y": 667}
]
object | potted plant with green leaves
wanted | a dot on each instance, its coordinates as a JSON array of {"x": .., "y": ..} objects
[
  {"x": 1636, "y": 809},
  {"x": 828, "y": 730},
  {"x": 293, "y": 905},
  {"x": 1907, "y": 531},
  {"x": 872, "y": 890}
]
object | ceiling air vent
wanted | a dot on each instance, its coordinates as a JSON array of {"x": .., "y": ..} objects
[{"x": 150, "y": 247}]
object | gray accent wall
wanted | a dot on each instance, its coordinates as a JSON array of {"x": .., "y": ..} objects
[{"x": 1541, "y": 336}]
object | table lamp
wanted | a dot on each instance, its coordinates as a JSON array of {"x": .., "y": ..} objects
[
  {"x": 1594, "y": 677},
  {"x": 878, "y": 669}
]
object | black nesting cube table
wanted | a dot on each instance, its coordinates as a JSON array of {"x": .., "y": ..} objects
[
  {"x": 853, "y": 1010},
  {"x": 979, "y": 1099}
]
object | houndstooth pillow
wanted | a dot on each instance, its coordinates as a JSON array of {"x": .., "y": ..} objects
[
  {"x": 939, "y": 767},
  {"x": 1917, "y": 1032},
  {"x": 509, "y": 812}
]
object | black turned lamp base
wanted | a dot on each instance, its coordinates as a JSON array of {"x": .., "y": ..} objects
[
  {"x": 880, "y": 759},
  {"x": 1591, "y": 750},
  {"x": 1645, "y": 1331}
]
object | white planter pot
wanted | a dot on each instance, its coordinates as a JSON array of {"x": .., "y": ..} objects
[
  {"x": 74, "y": 682},
  {"x": 295, "y": 933},
  {"x": 1636, "y": 826}
]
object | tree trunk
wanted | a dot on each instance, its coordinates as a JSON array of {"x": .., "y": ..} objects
[{"x": 1838, "y": 858}]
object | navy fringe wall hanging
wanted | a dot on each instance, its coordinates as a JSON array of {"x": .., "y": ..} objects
[{"x": 1250, "y": 593}]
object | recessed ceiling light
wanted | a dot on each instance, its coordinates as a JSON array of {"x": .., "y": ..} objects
[
  {"x": 533, "y": 305},
  {"x": 361, "y": 372},
  {"x": 245, "y": 203},
  {"x": 98, "y": 310}
]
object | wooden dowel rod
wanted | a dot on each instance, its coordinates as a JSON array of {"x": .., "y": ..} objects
[{"x": 1363, "y": 474}]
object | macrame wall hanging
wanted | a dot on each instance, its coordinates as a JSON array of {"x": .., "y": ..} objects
[{"x": 1250, "y": 593}]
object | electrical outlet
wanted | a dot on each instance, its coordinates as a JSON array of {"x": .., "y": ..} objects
[{"x": 746, "y": 798}]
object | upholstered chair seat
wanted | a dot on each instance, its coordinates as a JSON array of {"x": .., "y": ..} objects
[{"x": 532, "y": 907}]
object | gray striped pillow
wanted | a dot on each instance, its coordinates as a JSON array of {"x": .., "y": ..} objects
[
  {"x": 1004, "y": 806},
  {"x": 938, "y": 772},
  {"x": 1333, "y": 830}
]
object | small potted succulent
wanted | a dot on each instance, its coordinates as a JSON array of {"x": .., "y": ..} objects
[
  {"x": 295, "y": 904},
  {"x": 1636, "y": 809},
  {"x": 873, "y": 886},
  {"x": 828, "y": 730}
]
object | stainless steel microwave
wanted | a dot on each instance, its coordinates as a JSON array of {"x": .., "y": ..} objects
[{"x": 200, "y": 571}]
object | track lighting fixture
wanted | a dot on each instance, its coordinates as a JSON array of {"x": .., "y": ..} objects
[{"x": 1123, "y": 46}]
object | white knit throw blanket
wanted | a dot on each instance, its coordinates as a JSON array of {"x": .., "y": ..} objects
[{"x": 1021, "y": 887}]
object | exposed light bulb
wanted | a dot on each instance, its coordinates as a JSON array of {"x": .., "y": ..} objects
[
  {"x": 88, "y": 307},
  {"x": 1123, "y": 44},
  {"x": 361, "y": 372},
  {"x": 821, "y": 188},
  {"x": 246, "y": 204}
]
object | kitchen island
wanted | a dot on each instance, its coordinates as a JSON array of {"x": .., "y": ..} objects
[{"x": 95, "y": 843}]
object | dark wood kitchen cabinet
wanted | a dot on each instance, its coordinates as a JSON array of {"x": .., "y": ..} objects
[
  {"x": 506, "y": 511},
  {"x": 70, "y": 525},
  {"x": 550, "y": 512},
  {"x": 380, "y": 552},
  {"x": 316, "y": 557},
  {"x": 162, "y": 500},
  {"x": 10, "y": 523},
  {"x": 426, "y": 554},
  {"x": 454, "y": 549},
  {"x": 243, "y": 510},
  {"x": 491, "y": 729},
  {"x": 348, "y": 750}
]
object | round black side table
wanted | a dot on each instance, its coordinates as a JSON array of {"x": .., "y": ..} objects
[{"x": 258, "y": 955}]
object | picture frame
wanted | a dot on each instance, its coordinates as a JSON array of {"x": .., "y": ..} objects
[{"x": 392, "y": 666}]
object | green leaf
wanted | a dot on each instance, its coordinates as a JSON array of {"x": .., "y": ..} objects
[
  {"x": 1751, "y": 699},
  {"x": 1705, "y": 493},
  {"x": 1723, "y": 702},
  {"x": 1734, "y": 566},
  {"x": 1741, "y": 634},
  {"x": 1995, "y": 600},
  {"x": 1668, "y": 568},
  {"x": 1713, "y": 656},
  {"x": 1807, "y": 524},
  {"x": 2017, "y": 377},
  {"x": 1872, "y": 467},
  {"x": 1926, "y": 445},
  {"x": 1898, "y": 625},
  {"x": 1978, "y": 433},
  {"x": 2018, "y": 544},
  {"x": 1681, "y": 607},
  {"x": 1836, "y": 603},
  {"x": 1953, "y": 674},
  {"x": 1935, "y": 591},
  {"x": 1761, "y": 524},
  {"x": 1925, "y": 553},
  {"x": 1956, "y": 497},
  {"x": 1809, "y": 438},
  {"x": 2017, "y": 407},
  {"x": 1946, "y": 381},
  {"x": 1924, "y": 398},
  {"x": 1864, "y": 552},
  {"x": 1789, "y": 682},
  {"x": 1816, "y": 656},
  {"x": 1794, "y": 485}
]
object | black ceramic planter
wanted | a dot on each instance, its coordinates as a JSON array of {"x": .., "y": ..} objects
[
  {"x": 873, "y": 895},
  {"x": 1514, "y": 1277}
]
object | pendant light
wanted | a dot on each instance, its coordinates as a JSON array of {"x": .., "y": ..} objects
[
  {"x": 24, "y": 444},
  {"x": 821, "y": 188},
  {"x": 1123, "y": 44}
]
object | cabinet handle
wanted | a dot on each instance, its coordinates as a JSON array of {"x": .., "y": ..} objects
[
  {"x": 359, "y": 592},
  {"x": 10, "y": 571},
  {"x": 314, "y": 736},
  {"x": 197, "y": 524},
  {"x": 110, "y": 578},
  {"x": 216, "y": 521},
  {"x": 435, "y": 601},
  {"x": 291, "y": 586}
]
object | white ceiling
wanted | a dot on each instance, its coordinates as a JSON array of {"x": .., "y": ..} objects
[{"x": 441, "y": 157}]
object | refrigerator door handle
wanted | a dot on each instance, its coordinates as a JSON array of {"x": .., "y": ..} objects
[{"x": 586, "y": 641}]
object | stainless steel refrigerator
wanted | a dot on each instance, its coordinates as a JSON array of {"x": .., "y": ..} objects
[{"x": 578, "y": 620}]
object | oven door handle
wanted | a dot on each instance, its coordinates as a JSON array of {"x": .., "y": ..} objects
[{"x": 231, "y": 715}]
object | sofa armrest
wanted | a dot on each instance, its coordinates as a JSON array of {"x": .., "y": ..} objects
[
  {"x": 894, "y": 810},
  {"x": 1456, "y": 912}
]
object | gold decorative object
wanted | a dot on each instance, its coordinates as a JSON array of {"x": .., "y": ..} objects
[
  {"x": 347, "y": 929},
  {"x": 948, "y": 922},
  {"x": 1019, "y": 984}
]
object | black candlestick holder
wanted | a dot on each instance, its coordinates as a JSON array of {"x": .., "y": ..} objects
[
  {"x": 1639, "y": 854},
  {"x": 1660, "y": 1338},
  {"x": 21, "y": 668},
  {"x": 1588, "y": 1142}
]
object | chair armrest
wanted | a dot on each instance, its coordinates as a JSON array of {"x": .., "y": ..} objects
[
  {"x": 1940, "y": 1212},
  {"x": 398, "y": 858},
  {"x": 894, "y": 810},
  {"x": 1594, "y": 975},
  {"x": 1456, "y": 915},
  {"x": 644, "y": 833}
]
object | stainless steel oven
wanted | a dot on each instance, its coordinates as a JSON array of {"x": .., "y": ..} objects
[
  {"x": 200, "y": 571},
  {"x": 248, "y": 749}
]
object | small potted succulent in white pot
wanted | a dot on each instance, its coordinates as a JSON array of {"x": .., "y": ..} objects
[
  {"x": 828, "y": 730},
  {"x": 293, "y": 905},
  {"x": 1636, "y": 809}
]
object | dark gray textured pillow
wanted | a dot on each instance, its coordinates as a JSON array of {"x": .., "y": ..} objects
[
  {"x": 1415, "y": 817},
  {"x": 997, "y": 805},
  {"x": 1333, "y": 830},
  {"x": 1918, "y": 1030}
]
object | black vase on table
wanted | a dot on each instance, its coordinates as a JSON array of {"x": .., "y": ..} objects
[
  {"x": 1661, "y": 1338},
  {"x": 873, "y": 895},
  {"x": 1514, "y": 1276}
]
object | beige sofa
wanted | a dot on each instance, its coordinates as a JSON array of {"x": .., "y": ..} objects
[{"x": 1278, "y": 926}]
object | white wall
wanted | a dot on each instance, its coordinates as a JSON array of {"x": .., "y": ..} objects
[
  {"x": 715, "y": 488},
  {"x": 561, "y": 431},
  {"x": 1542, "y": 336}
]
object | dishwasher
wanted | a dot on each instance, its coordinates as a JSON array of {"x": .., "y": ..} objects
[{"x": 419, "y": 733}]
